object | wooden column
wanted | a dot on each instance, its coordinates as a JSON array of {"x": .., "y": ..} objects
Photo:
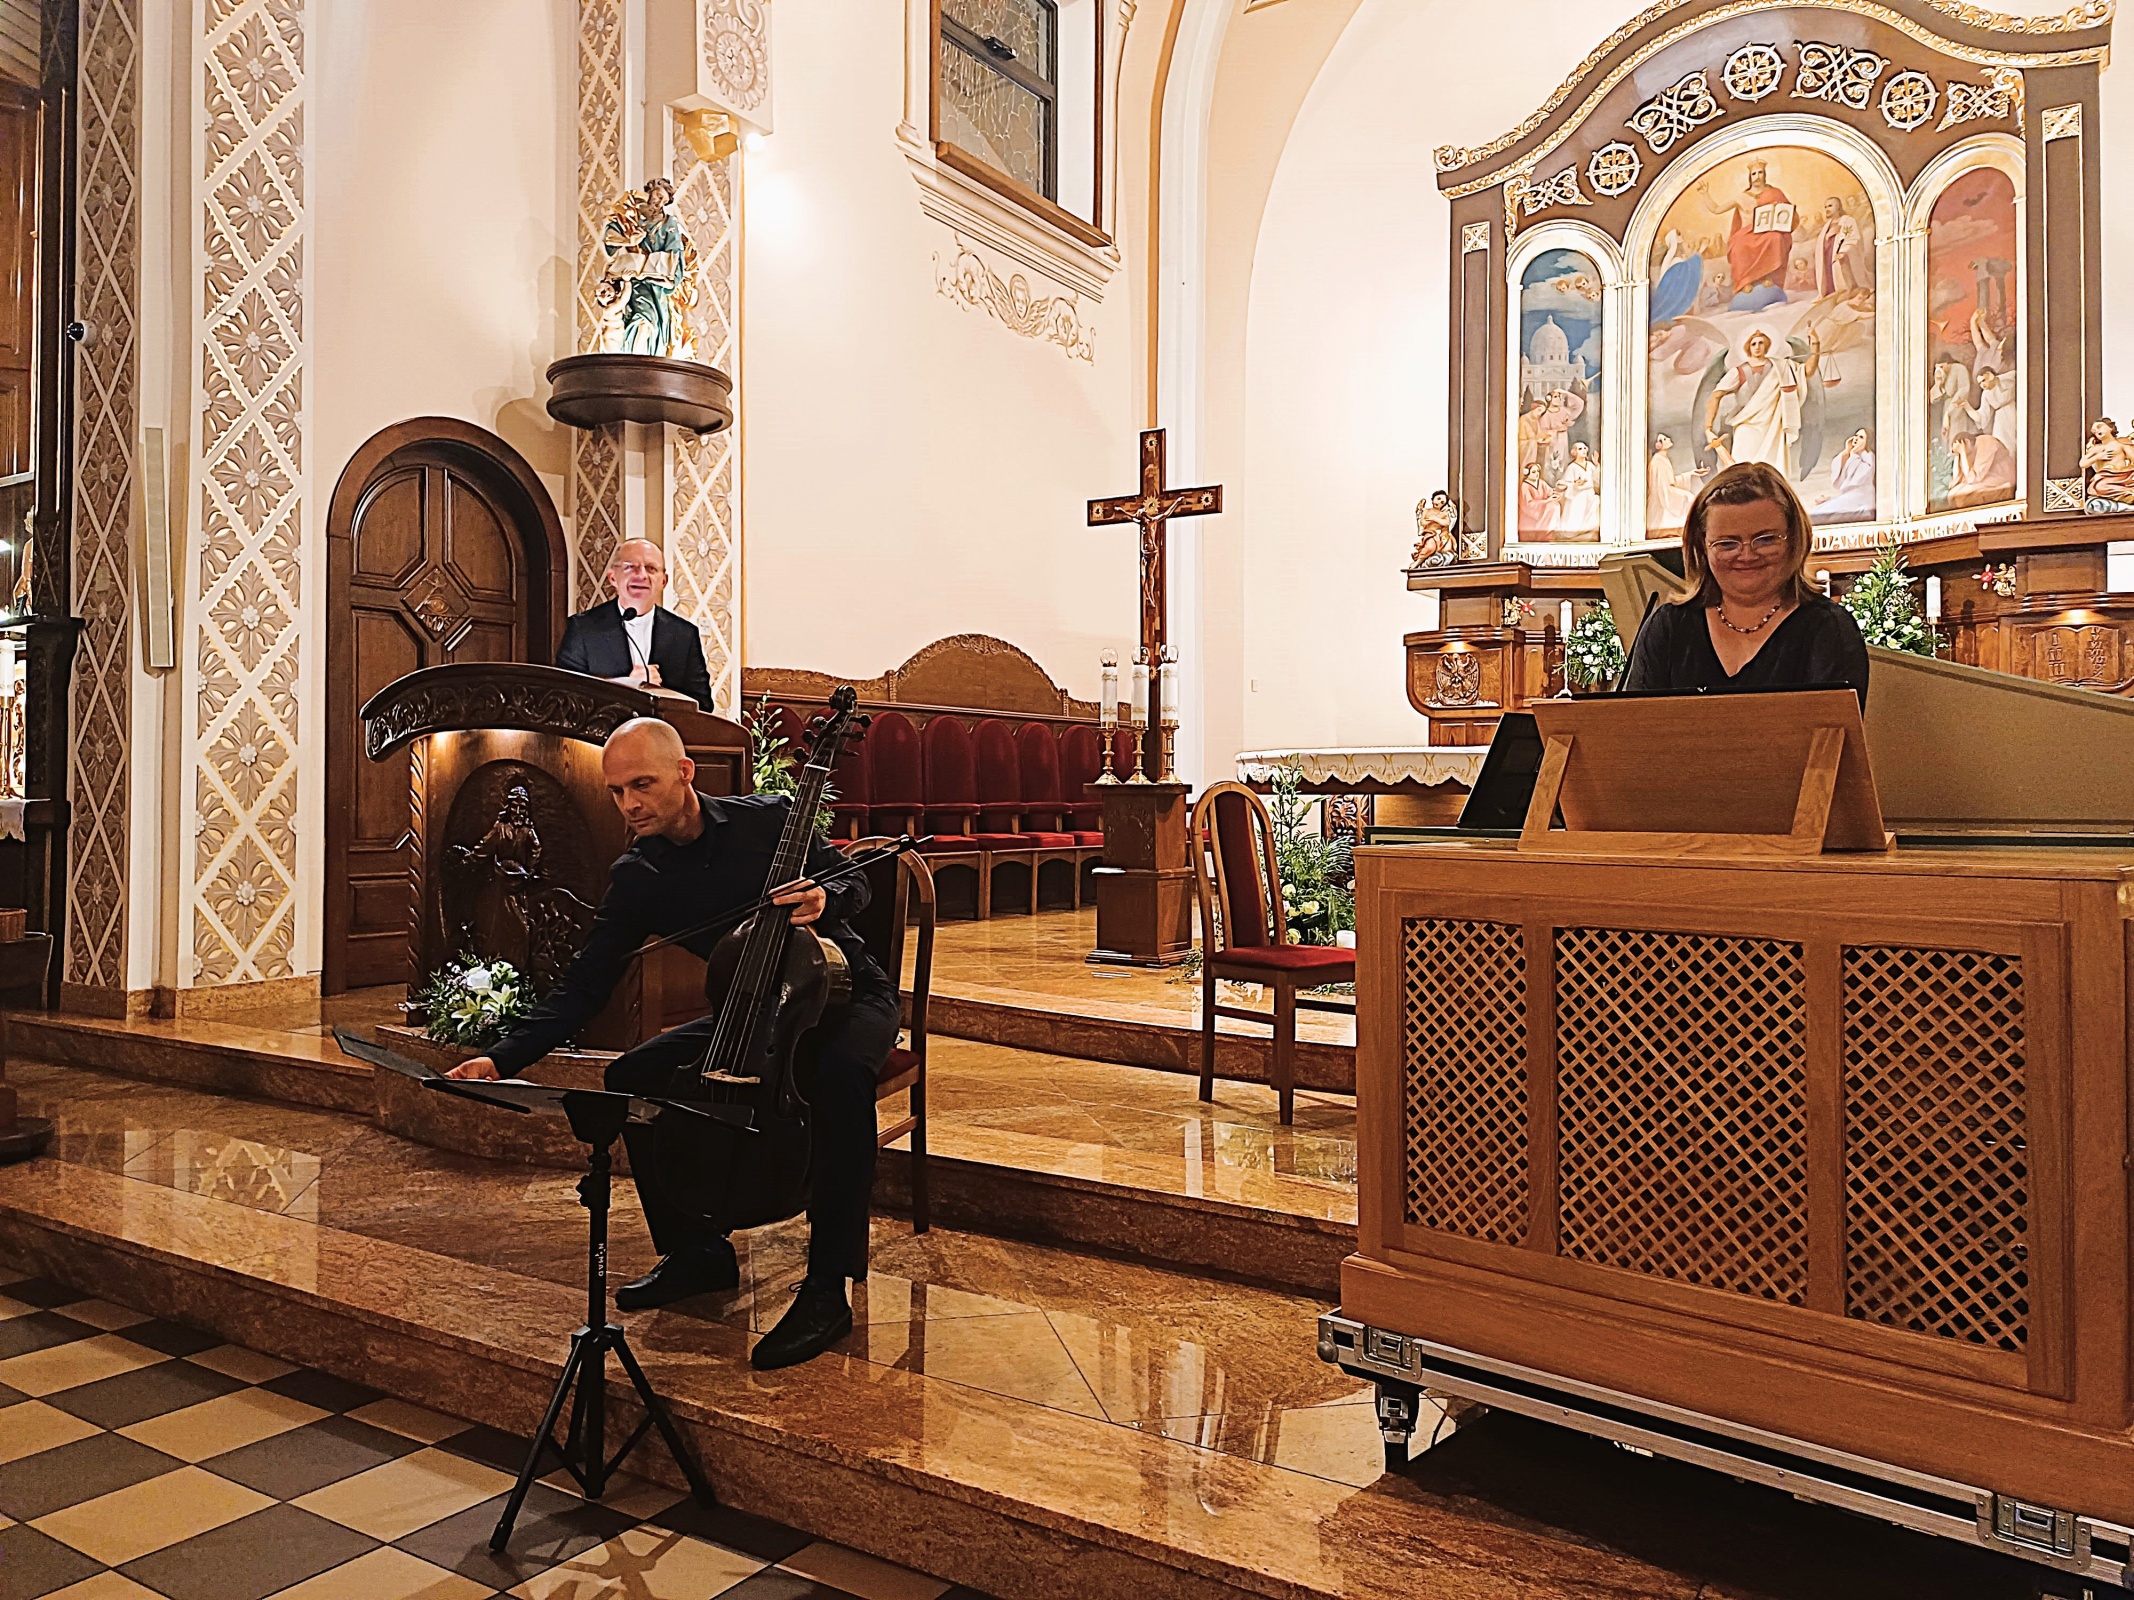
[
  {"x": 25, "y": 968},
  {"x": 1145, "y": 886}
]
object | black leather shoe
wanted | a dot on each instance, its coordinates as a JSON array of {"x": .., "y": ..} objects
[
  {"x": 679, "y": 1276},
  {"x": 816, "y": 1320}
]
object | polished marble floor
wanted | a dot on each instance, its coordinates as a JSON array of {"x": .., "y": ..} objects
[
  {"x": 1145, "y": 1130},
  {"x": 1037, "y": 962},
  {"x": 140, "y": 1458}
]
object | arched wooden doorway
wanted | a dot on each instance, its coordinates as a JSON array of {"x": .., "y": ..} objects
[{"x": 441, "y": 546}]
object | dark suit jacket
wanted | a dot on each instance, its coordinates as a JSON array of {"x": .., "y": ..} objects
[
  {"x": 659, "y": 888},
  {"x": 594, "y": 643}
]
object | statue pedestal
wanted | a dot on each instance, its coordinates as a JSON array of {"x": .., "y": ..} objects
[
  {"x": 23, "y": 965},
  {"x": 1145, "y": 886},
  {"x": 597, "y": 390}
]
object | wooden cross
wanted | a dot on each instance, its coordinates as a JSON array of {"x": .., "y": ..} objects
[{"x": 1152, "y": 509}]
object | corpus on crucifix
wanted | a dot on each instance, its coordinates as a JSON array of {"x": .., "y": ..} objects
[{"x": 1151, "y": 510}]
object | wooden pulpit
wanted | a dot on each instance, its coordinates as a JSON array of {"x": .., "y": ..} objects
[{"x": 511, "y": 828}]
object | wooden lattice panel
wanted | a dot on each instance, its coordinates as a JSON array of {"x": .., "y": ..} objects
[
  {"x": 1463, "y": 1024},
  {"x": 1936, "y": 1159},
  {"x": 1682, "y": 1107}
]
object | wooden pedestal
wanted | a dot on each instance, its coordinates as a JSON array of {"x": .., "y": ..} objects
[{"x": 1145, "y": 886}]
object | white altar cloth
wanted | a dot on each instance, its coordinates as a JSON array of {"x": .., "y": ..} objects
[{"x": 1426, "y": 765}]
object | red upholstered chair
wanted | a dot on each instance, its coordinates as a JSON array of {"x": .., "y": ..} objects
[
  {"x": 1244, "y": 933},
  {"x": 849, "y": 782},
  {"x": 896, "y": 782},
  {"x": 1081, "y": 764},
  {"x": 1012, "y": 835},
  {"x": 1044, "y": 802},
  {"x": 903, "y": 897},
  {"x": 951, "y": 766}
]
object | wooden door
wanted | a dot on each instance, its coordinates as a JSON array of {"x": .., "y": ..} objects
[{"x": 440, "y": 555}]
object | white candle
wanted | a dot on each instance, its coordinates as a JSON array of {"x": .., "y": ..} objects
[
  {"x": 1108, "y": 701},
  {"x": 1167, "y": 688},
  {"x": 7, "y": 668},
  {"x": 1141, "y": 693},
  {"x": 1933, "y": 598}
]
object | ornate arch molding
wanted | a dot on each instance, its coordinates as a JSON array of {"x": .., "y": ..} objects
[{"x": 1930, "y": 87}]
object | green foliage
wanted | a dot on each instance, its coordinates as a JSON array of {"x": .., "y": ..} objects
[
  {"x": 1593, "y": 651},
  {"x": 474, "y": 1002},
  {"x": 1318, "y": 875},
  {"x": 1883, "y": 604},
  {"x": 777, "y": 766}
]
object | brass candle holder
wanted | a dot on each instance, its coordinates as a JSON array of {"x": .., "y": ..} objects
[{"x": 1140, "y": 755}]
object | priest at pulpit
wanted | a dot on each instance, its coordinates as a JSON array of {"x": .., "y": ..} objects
[{"x": 633, "y": 638}]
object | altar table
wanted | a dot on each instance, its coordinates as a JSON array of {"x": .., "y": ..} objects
[
  {"x": 1415, "y": 786},
  {"x": 1834, "y": 1148}
]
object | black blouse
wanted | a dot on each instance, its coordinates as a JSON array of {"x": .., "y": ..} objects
[{"x": 1817, "y": 646}]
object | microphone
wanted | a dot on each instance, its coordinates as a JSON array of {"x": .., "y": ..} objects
[{"x": 629, "y": 615}]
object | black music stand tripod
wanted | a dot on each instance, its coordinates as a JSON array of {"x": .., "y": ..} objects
[{"x": 597, "y": 1117}]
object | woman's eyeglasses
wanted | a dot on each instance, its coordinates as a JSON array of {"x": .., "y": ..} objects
[{"x": 1763, "y": 544}]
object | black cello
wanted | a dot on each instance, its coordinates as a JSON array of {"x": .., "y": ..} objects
[{"x": 769, "y": 983}]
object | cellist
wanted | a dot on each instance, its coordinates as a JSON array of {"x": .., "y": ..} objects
[{"x": 692, "y": 859}]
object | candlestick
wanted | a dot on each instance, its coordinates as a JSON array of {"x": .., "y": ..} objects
[{"x": 1108, "y": 700}]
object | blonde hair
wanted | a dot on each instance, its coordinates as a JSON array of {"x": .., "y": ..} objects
[{"x": 1746, "y": 483}]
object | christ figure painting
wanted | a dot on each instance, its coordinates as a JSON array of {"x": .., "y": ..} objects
[{"x": 1761, "y": 334}]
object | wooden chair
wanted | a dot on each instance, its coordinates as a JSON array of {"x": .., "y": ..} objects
[
  {"x": 903, "y": 895},
  {"x": 1244, "y": 933}
]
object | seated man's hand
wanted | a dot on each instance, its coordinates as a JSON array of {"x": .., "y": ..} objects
[
  {"x": 479, "y": 1067},
  {"x": 808, "y": 901}
]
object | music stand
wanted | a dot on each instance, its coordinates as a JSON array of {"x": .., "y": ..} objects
[{"x": 596, "y": 1117}]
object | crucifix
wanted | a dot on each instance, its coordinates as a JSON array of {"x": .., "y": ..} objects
[{"x": 1152, "y": 509}]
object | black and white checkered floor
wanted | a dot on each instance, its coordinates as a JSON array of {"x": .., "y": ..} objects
[{"x": 140, "y": 1458}]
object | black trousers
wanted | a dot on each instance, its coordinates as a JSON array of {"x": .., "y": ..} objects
[{"x": 848, "y": 1062}]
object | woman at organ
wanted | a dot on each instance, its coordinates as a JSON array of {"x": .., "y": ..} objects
[{"x": 1754, "y": 620}]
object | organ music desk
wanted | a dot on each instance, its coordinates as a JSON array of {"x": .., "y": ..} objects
[{"x": 1806, "y": 1163}]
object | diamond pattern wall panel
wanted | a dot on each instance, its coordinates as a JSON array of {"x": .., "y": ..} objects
[
  {"x": 596, "y": 454},
  {"x": 1937, "y": 1203},
  {"x": 704, "y": 502},
  {"x": 1681, "y": 1065},
  {"x": 1463, "y": 1076},
  {"x": 248, "y": 584},
  {"x": 107, "y": 416}
]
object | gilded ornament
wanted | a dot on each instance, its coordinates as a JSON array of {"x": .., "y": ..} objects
[
  {"x": 2063, "y": 494},
  {"x": 1561, "y": 190},
  {"x": 1675, "y": 111},
  {"x": 1908, "y": 100},
  {"x": 1055, "y": 319},
  {"x": 2001, "y": 95},
  {"x": 1614, "y": 169},
  {"x": 1837, "y": 72},
  {"x": 1474, "y": 236},
  {"x": 2063, "y": 122},
  {"x": 1753, "y": 72}
]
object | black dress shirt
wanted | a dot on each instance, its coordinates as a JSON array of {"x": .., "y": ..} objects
[
  {"x": 594, "y": 643},
  {"x": 659, "y": 888},
  {"x": 1817, "y": 646}
]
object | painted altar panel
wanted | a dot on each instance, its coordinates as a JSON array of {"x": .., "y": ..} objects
[
  {"x": 1559, "y": 426},
  {"x": 1761, "y": 334},
  {"x": 1972, "y": 299}
]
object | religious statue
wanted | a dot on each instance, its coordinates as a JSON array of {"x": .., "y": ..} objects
[
  {"x": 650, "y": 285},
  {"x": 1437, "y": 532},
  {"x": 500, "y": 905},
  {"x": 22, "y": 601},
  {"x": 2107, "y": 470}
]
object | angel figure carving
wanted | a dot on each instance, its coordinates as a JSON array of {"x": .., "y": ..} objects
[
  {"x": 1437, "y": 532},
  {"x": 650, "y": 286},
  {"x": 2108, "y": 468}
]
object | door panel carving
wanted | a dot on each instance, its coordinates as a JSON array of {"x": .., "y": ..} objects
[{"x": 445, "y": 548}]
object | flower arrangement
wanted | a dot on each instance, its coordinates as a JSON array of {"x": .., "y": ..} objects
[
  {"x": 1883, "y": 604},
  {"x": 2000, "y": 580},
  {"x": 469, "y": 1001},
  {"x": 775, "y": 763},
  {"x": 1593, "y": 654},
  {"x": 1318, "y": 875}
]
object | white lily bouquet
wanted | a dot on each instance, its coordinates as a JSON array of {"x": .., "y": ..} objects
[{"x": 473, "y": 1002}]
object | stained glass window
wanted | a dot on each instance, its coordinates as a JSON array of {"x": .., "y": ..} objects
[{"x": 999, "y": 67}]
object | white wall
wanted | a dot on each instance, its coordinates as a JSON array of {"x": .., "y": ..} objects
[
  {"x": 1345, "y": 338},
  {"x": 912, "y": 468},
  {"x": 445, "y": 166}
]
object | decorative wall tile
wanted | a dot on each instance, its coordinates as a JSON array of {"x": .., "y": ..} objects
[
  {"x": 248, "y": 591},
  {"x": 106, "y": 427},
  {"x": 596, "y": 455},
  {"x": 704, "y": 509}
]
